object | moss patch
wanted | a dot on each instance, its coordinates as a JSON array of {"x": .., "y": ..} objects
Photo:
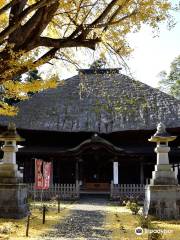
[
  {"x": 13, "y": 229},
  {"x": 123, "y": 224}
]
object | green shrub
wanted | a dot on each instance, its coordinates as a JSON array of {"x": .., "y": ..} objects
[
  {"x": 30, "y": 203},
  {"x": 124, "y": 200},
  {"x": 128, "y": 204},
  {"x": 133, "y": 206},
  {"x": 42, "y": 207},
  {"x": 155, "y": 235},
  {"x": 144, "y": 221}
]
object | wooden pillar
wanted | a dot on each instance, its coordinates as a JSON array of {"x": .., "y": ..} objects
[
  {"x": 80, "y": 171},
  {"x": 115, "y": 173},
  {"x": 77, "y": 172},
  {"x": 141, "y": 173}
]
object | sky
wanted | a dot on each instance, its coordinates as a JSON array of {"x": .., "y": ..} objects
[{"x": 151, "y": 54}]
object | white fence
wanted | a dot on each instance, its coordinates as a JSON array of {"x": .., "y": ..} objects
[
  {"x": 123, "y": 191},
  {"x": 62, "y": 191},
  {"x": 71, "y": 192}
]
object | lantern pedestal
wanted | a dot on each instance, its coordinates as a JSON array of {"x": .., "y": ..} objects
[
  {"x": 13, "y": 193},
  {"x": 13, "y": 200},
  {"x": 163, "y": 173},
  {"x": 162, "y": 196},
  {"x": 9, "y": 173},
  {"x": 162, "y": 201}
]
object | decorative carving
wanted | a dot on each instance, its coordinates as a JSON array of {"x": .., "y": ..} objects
[{"x": 161, "y": 128}]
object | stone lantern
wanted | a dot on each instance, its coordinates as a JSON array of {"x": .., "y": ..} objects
[
  {"x": 162, "y": 196},
  {"x": 13, "y": 193},
  {"x": 163, "y": 173}
]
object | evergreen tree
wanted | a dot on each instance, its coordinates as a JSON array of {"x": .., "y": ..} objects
[{"x": 170, "y": 83}]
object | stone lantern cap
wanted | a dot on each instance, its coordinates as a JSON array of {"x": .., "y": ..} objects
[
  {"x": 11, "y": 134},
  {"x": 162, "y": 135}
]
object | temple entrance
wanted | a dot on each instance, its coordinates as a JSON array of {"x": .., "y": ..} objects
[
  {"x": 97, "y": 171},
  {"x": 94, "y": 164},
  {"x": 90, "y": 165}
]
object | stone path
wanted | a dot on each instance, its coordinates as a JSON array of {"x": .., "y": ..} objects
[{"x": 86, "y": 221}]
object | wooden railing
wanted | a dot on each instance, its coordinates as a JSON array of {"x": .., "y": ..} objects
[
  {"x": 124, "y": 191},
  {"x": 62, "y": 191},
  {"x": 71, "y": 192}
]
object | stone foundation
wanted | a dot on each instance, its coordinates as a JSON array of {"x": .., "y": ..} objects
[
  {"x": 163, "y": 175},
  {"x": 162, "y": 201},
  {"x": 13, "y": 200},
  {"x": 13, "y": 193}
]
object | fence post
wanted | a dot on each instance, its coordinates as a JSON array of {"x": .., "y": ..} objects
[
  {"x": 77, "y": 189},
  {"x": 111, "y": 190},
  {"x": 44, "y": 214},
  {"x": 27, "y": 226},
  {"x": 58, "y": 204}
]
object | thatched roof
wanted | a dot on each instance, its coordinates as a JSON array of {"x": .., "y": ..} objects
[{"x": 104, "y": 101}]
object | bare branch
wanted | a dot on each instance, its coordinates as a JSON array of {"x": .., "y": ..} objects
[
  {"x": 106, "y": 25},
  {"x": 56, "y": 44},
  {"x": 14, "y": 26},
  {"x": 31, "y": 31},
  {"x": 104, "y": 14},
  {"x": 125, "y": 17},
  {"x": 66, "y": 42},
  {"x": 84, "y": 32},
  {"x": 16, "y": 9},
  {"x": 113, "y": 16}
]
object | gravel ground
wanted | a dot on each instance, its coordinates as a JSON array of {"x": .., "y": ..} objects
[{"x": 86, "y": 221}]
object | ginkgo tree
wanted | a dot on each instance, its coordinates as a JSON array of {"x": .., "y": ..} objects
[{"x": 33, "y": 32}]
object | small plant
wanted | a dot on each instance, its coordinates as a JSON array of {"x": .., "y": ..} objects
[
  {"x": 30, "y": 203},
  {"x": 144, "y": 221},
  {"x": 155, "y": 234},
  {"x": 5, "y": 229},
  {"x": 8, "y": 228},
  {"x": 42, "y": 207},
  {"x": 133, "y": 206},
  {"x": 123, "y": 203}
]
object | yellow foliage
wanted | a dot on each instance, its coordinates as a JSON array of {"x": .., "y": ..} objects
[
  {"x": 122, "y": 224},
  {"x": 125, "y": 17},
  {"x": 4, "y": 16},
  {"x": 19, "y": 89},
  {"x": 7, "y": 110},
  {"x": 16, "y": 228}
]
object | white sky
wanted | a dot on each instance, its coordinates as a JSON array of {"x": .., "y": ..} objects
[{"x": 151, "y": 54}]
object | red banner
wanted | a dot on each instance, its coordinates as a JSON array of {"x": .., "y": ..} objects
[
  {"x": 42, "y": 174},
  {"x": 39, "y": 182}
]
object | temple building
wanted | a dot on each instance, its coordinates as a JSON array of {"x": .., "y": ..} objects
[{"x": 94, "y": 128}]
